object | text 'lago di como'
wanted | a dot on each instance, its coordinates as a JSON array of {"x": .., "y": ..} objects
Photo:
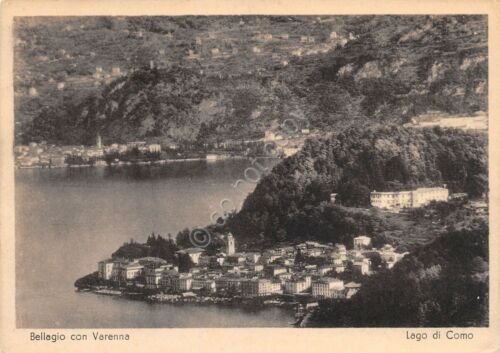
[{"x": 439, "y": 335}]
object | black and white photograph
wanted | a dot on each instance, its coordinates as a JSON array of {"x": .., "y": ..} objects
[{"x": 251, "y": 171}]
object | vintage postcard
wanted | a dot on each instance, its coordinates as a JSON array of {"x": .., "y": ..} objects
[{"x": 269, "y": 177}]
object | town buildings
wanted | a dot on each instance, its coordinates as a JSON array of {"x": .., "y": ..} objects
[{"x": 276, "y": 271}]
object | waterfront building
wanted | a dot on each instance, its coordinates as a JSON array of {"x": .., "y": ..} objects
[
  {"x": 203, "y": 283},
  {"x": 396, "y": 200},
  {"x": 362, "y": 242},
  {"x": 131, "y": 271},
  {"x": 276, "y": 287},
  {"x": 328, "y": 287},
  {"x": 105, "y": 269},
  {"x": 153, "y": 276},
  {"x": 182, "y": 282},
  {"x": 166, "y": 280},
  {"x": 154, "y": 148},
  {"x": 118, "y": 268},
  {"x": 297, "y": 285},
  {"x": 256, "y": 287},
  {"x": 228, "y": 282}
]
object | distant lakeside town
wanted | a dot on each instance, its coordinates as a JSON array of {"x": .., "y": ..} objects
[
  {"x": 294, "y": 276},
  {"x": 272, "y": 144},
  {"x": 43, "y": 155}
]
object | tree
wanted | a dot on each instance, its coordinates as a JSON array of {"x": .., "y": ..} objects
[
  {"x": 354, "y": 194},
  {"x": 185, "y": 263},
  {"x": 299, "y": 258},
  {"x": 182, "y": 239}
]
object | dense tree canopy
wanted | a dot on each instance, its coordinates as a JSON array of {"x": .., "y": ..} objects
[{"x": 292, "y": 202}]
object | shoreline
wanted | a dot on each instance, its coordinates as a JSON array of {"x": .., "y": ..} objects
[
  {"x": 146, "y": 163},
  {"x": 193, "y": 299}
]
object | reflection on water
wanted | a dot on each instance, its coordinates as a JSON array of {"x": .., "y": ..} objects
[{"x": 68, "y": 219}]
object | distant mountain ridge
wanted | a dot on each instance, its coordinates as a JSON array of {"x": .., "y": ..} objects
[{"x": 354, "y": 69}]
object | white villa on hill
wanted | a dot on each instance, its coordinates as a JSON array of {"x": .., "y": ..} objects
[{"x": 395, "y": 200}]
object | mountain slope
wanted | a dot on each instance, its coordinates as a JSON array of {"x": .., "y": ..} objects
[{"x": 355, "y": 69}]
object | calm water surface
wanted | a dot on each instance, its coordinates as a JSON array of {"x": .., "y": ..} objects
[{"x": 69, "y": 219}]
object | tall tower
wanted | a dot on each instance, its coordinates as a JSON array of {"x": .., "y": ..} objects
[
  {"x": 98, "y": 141},
  {"x": 230, "y": 245}
]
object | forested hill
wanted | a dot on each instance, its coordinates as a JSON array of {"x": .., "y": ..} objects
[
  {"x": 290, "y": 202},
  {"x": 202, "y": 83}
]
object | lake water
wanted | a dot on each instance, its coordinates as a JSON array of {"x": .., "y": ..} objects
[{"x": 68, "y": 219}]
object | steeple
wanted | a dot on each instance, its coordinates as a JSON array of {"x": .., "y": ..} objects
[
  {"x": 98, "y": 141},
  {"x": 230, "y": 244}
]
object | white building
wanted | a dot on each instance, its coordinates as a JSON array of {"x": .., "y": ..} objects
[
  {"x": 154, "y": 148},
  {"x": 257, "y": 287},
  {"x": 154, "y": 276},
  {"x": 362, "y": 242},
  {"x": 105, "y": 269},
  {"x": 395, "y": 200},
  {"x": 132, "y": 271},
  {"x": 230, "y": 245},
  {"x": 297, "y": 285},
  {"x": 182, "y": 282},
  {"x": 194, "y": 254},
  {"x": 328, "y": 288},
  {"x": 200, "y": 283}
]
